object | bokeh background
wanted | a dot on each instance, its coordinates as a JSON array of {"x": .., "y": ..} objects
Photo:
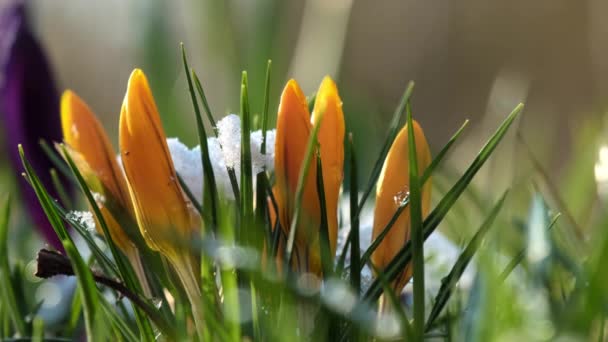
[{"x": 470, "y": 59}]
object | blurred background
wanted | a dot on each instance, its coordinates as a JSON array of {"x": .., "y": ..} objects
[{"x": 470, "y": 60}]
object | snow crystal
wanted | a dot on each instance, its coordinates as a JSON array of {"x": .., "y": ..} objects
[
  {"x": 188, "y": 165},
  {"x": 224, "y": 152},
  {"x": 229, "y": 137},
  {"x": 84, "y": 218},
  {"x": 100, "y": 199}
]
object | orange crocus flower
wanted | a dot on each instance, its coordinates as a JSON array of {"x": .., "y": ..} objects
[
  {"x": 292, "y": 134},
  {"x": 166, "y": 219},
  {"x": 393, "y": 186}
]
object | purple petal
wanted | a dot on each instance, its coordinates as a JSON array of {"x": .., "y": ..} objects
[{"x": 30, "y": 105}]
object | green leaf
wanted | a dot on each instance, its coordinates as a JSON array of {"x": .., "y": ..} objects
[
  {"x": 449, "y": 282},
  {"x": 59, "y": 163},
  {"x": 355, "y": 249},
  {"x": 416, "y": 229},
  {"x": 210, "y": 187},
  {"x": 117, "y": 321},
  {"x": 201, "y": 93},
  {"x": 60, "y": 189},
  {"x": 124, "y": 268},
  {"x": 265, "y": 109},
  {"x": 394, "y": 302},
  {"x": 324, "y": 246},
  {"x": 87, "y": 285},
  {"x": 37, "y": 329},
  {"x": 519, "y": 257},
  {"x": 246, "y": 198},
  {"x": 7, "y": 292}
]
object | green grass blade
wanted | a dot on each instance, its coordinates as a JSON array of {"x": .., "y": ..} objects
[
  {"x": 37, "y": 329},
  {"x": 210, "y": 186},
  {"x": 311, "y": 102},
  {"x": 117, "y": 321},
  {"x": 403, "y": 257},
  {"x": 416, "y": 229},
  {"x": 201, "y": 93},
  {"x": 449, "y": 282},
  {"x": 326, "y": 258},
  {"x": 7, "y": 292},
  {"x": 75, "y": 311},
  {"x": 265, "y": 109},
  {"x": 395, "y": 303},
  {"x": 87, "y": 285},
  {"x": 355, "y": 249},
  {"x": 519, "y": 257},
  {"x": 439, "y": 157},
  {"x": 44, "y": 198},
  {"x": 308, "y": 156},
  {"x": 246, "y": 191},
  {"x": 229, "y": 279},
  {"x": 124, "y": 268},
  {"x": 60, "y": 189},
  {"x": 56, "y": 160}
]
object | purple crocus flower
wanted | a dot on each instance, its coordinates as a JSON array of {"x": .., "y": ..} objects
[{"x": 29, "y": 107}]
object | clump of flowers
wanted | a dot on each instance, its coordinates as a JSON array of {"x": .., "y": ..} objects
[{"x": 238, "y": 237}]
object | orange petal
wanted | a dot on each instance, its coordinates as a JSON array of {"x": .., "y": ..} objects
[
  {"x": 292, "y": 134},
  {"x": 393, "y": 186},
  {"x": 328, "y": 107},
  {"x": 160, "y": 207},
  {"x": 90, "y": 148},
  {"x": 83, "y": 132}
]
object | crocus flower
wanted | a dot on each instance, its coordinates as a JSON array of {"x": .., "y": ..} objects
[
  {"x": 292, "y": 134},
  {"x": 165, "y": 218},
  {"x": 29, "y": 106},
  {"x": 391, "y": 190},
  {"x": 90, "y": 148}
]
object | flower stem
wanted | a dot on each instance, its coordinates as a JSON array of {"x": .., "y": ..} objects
[{"x": 184, "y": 268}]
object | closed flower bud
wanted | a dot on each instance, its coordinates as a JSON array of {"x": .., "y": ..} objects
[{"x": 392, "y": 189}]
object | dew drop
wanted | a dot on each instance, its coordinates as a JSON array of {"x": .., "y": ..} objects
[
  {"x": 157, "y": 302},
  {"x": 401, "y": 196}
]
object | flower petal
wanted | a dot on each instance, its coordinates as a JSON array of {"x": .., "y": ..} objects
[
  {"x": 95, "y": 158},
  {"x": 292, "y": 134},
  {"x": 328, "y": 107},
  {"x": 160, "y": 206}
]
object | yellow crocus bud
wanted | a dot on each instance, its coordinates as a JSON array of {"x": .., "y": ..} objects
[
  {"x": 392, "y": 188},
  {"x": 166, "y": 219},
  {"x": 328, "y": 107},
  {"x": 292, "y": 134},
  {"x": 163, "y": 214},
  {"x": 91, "y": 150}
]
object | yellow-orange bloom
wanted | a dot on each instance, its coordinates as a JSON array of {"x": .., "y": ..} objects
[
  {"x": 292, "y": 135},
  {"x": 163, "y": 214},
  {"x": 328, "y": 107},
  {"x": 165, "y": 218},
  {"x": 392, "y": 188},
  {"x": 93, "y": 153}
]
